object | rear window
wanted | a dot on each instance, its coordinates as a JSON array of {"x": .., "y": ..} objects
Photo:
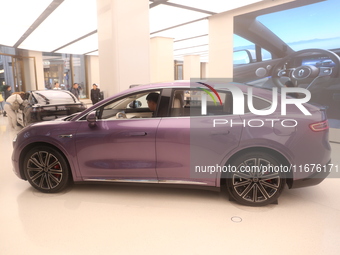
[
  {"x": 53, "y": 97},
  {"x": 258, "y": 103},
  {"x": 189, "y": 103}
]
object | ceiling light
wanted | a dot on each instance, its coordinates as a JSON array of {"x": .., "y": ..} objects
[
  {"x": 217, "y": 6},
  {"x": 70, "y": 21},
  {"x": 83, "y": 46},
  {"x": 186, "y": 31},
  {"x": 163, "y": 16},
  {"x": 17, "y": 16},
  {"x": 197, "y": 41},
  {"x": 95, "y": 53}
]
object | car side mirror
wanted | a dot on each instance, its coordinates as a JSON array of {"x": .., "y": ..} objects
[
  {"x": 135, "y": 104},
  {"x": 92, "y": 119},
  {"x": 242, "y": 57}
]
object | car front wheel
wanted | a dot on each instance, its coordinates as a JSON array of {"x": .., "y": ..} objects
[
  {"x": 46, "y": 169},
  {"x": 256, "y": 179}
]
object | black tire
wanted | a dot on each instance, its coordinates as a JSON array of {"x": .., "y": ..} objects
[
  {"x": 46, "y": 169},
  {"x": 24, "y": 121},
  {"x": 257, "y": 187}
]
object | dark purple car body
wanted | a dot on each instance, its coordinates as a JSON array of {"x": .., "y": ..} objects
[{"x": 120, "y": 140}]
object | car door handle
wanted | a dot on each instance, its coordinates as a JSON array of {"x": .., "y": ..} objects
[
  {"x": 220, "y": 133},
  {"x": 66, "y": 136},
  {"x": 137, "y": 134}
]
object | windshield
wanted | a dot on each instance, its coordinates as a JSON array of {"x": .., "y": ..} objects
[{"x": 311, "y": 26}]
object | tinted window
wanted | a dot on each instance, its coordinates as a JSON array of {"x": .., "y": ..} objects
[
  {"x": 243, "y": 47},
  {"x": 189, "y": 103},
  {"x": 132, "y": 106},
  {"x": 258, "y": 103}
]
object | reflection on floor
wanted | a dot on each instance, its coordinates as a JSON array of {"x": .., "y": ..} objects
[{"x": 111, "y": 219}]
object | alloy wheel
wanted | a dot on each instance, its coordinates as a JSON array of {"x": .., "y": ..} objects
[
  {"x": 44, "y": 170},
  {"x": 254, "y": 184}
]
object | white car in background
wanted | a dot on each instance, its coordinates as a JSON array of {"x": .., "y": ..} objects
[{"x": 44, "y": 105}]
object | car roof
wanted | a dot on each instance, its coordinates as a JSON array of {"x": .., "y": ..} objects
[
  {"x": 263, "y": 93},
  {"x": 199, "y": 83},
  {"x": 54, "y": 97}
]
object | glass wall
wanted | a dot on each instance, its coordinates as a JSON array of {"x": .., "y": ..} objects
[
  {"x": 12, "y": 70},
  {"x": 57, "y": 69},
  {"x": 78, "y": 70},
  {"x": 6, "y": 70},
  {"x": 19, "y": 71},
  {"x": 65, "y": 69},
  {"x": 178, "y": 70}
]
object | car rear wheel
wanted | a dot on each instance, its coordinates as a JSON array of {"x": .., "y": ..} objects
[
  {"x": 46, "y": 169},
  {"x": 256, "y": 179}
]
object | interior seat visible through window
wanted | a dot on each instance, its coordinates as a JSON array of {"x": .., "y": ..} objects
[
  {"x": 188, "y": 103},
  {"x": 177, "y": 103}
]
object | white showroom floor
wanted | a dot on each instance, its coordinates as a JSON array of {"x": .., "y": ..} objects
[{"x": 111, "y": 219}]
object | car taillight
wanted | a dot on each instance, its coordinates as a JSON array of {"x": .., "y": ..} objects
[{"x": 319, "y": 126}]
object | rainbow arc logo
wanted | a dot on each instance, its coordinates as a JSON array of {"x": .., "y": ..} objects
[{"x": 209, "y": 93}]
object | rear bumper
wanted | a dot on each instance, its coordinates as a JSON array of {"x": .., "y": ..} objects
[{"x": 313, "y": 179}]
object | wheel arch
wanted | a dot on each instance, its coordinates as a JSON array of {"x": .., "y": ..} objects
[
  {"x": 275, "y": 153},
  {"x": 32, "y": 145}
]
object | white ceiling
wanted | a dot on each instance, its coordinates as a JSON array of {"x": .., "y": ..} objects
[{"x": 70, "y": 26}]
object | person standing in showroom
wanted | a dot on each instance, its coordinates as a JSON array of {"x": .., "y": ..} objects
[
  {"x": 7, "y": 93},
  {"x": 95, "y": 94},
  {"x": 1, "y": 100},
  {"x": 75, "y": 90},
  {"x": 12, "y": 115},
  {"x": 56, "y": 85}
]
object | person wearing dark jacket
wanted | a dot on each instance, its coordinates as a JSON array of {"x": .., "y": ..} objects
[
  {"x": 75, "y": 90},
  {"x": 7, "y": 93},
  {"x": 95, "y": 94},
  {"x": 152, "y": 101}
]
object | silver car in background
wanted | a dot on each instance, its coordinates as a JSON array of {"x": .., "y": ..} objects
[{"x": 43, "y": 105}]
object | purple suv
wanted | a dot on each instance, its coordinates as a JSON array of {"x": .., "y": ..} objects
[{"x": 200, "y": 135}]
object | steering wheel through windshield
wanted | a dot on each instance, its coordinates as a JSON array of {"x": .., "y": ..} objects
[{"x": 307, "y": 75}]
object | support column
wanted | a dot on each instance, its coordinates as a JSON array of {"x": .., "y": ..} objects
[
  {"x": 92, "y": 71},
  {"x": 123, "y": 44},
  {"x": 33, "y": 69},
  {"x": 221, "y": 30},
  {"x": 162, "y": 59},
  {"x": 204, "y": 70},
  {"x": 191, "y": 67}
]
